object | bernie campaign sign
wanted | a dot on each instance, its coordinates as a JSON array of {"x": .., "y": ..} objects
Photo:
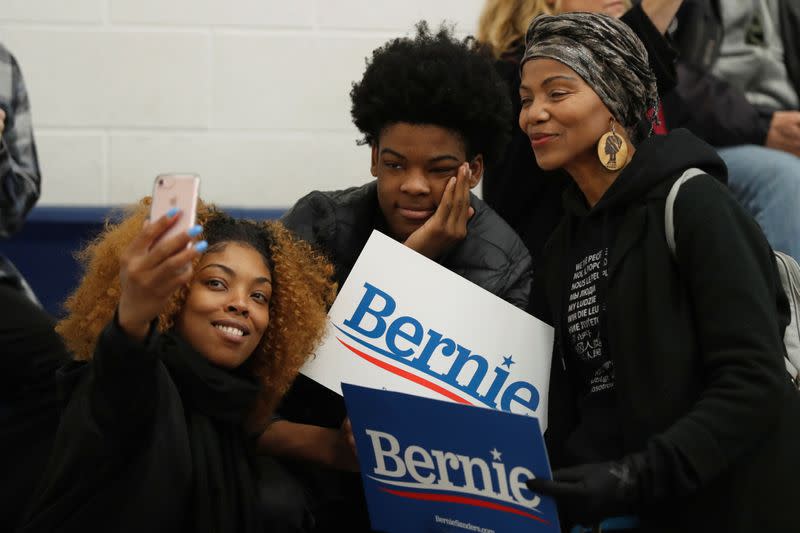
[
  {"x": 407, "y": 324},
  {"x": 430, "y": 465}
]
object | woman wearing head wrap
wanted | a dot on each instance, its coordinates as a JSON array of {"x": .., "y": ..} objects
[
  {"x": 669, "y": 400},
  {"x": 526, "y": 196}
]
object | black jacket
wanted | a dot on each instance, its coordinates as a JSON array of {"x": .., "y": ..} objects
[
  {"x": 340, "y": 222},
  {"x": 151, "y": 439},
  {"x": 697, "y": 348},
  {"x": 527, "y": 197},
  {"x": 710, "y": 107},
  {"x": 30, "y": 354}
]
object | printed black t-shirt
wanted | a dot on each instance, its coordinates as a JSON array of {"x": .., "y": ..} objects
[{"x": 597, "y": 436}]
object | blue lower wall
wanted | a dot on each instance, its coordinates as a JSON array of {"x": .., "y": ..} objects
[{"x": 44, "y": 250}]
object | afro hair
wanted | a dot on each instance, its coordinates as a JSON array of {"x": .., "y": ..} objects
[{"x": 434, "y": 79}]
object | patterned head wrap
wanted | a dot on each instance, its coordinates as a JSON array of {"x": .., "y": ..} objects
[{"x": 606, "y": 54}]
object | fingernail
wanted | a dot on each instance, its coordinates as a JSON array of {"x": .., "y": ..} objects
[
  {"x": 172, "y": 212},
  {"x": 195, "y": 230},
  {"x": 453, "y": 179},
  {"x": 201, "y": 246}
]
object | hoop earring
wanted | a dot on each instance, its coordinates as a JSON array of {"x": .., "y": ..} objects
[{"x": 612, "y": 150}]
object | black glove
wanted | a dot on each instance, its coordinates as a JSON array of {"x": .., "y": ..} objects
[{"x": 590, "y": 492}]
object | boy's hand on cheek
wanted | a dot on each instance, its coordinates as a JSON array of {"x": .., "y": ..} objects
[{"x": 448, "y": 225}]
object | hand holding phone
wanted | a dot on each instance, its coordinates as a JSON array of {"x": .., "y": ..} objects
[
  {"x": 159, "y": 259},
  {"x": 152, "y": 268}
]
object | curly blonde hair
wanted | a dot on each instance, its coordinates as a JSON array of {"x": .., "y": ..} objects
[{"x": 302, "y": 292}]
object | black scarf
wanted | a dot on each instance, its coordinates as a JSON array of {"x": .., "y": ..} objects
[{"x": 216, "y": 402}]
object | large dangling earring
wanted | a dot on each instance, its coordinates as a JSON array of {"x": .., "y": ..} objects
[{"x": 612, "y": 150}]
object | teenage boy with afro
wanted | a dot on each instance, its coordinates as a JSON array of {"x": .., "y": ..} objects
[{"x": 434, "y": 112}]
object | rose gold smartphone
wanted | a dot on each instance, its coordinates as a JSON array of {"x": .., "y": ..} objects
[{"x": 175, "y": 191}]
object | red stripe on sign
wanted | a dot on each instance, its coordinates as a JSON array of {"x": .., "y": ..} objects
[
  {"x": 449, "y": 498},
  {"x": 405, "y": 374}
]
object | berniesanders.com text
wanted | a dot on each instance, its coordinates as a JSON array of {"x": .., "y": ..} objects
[{"x": 463, "y": 525}]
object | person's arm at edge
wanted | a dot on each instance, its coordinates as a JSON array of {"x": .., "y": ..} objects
[
  {"x": 720, "y": 113},
  {"x": 325, "y": 446},
  {"x": 20, "y": 182}
]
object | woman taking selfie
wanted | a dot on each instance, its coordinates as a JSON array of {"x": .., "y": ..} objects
[
  {"x": 183, "y": 349},
  {"x": 669, "y": 401}
]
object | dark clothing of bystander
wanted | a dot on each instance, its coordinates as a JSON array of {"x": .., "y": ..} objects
[
  {"x": 19, "y": 166},
  {"x": 701, "y": 394},
  {"x": 30, "y": 354},
  {"x": 711, "y": 107},
  {"x": 151, "y": 439}
]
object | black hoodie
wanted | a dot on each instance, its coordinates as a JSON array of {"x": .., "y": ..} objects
[
  {"x": 597, "y": 436},
  {"x": 700, "y": 388}
]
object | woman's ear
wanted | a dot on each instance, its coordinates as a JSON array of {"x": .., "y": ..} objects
[{"x": 476, "y": 166}]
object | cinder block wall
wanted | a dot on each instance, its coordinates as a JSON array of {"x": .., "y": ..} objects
[{"x": 251, "y": 94}]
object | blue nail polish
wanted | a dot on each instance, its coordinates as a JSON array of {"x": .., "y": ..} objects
[
  {"x": 201, "y": 246},
  {"x": 172, "y": 212},
  {"x": 195, "y": 230}
]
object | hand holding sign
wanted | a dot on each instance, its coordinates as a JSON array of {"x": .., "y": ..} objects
[
  {"x": 347, "y": 433},
  {"x": 347, "y": 458},
  {"x": 590, "y": 492},
  {"x": 430, "y": 465},
  {"x": 448, "y": 225}
]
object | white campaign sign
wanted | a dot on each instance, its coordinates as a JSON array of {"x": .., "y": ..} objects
[{"x": 405, "y": 323}]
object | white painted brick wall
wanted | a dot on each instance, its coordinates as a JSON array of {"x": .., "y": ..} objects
[
  {"x": 57, "y": 11},
  {"x": 251, "y": 94}
]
